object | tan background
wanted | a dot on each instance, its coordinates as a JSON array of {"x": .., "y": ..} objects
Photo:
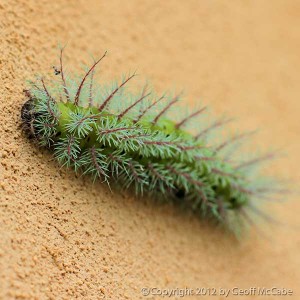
[{"x": 63, "y": 237}]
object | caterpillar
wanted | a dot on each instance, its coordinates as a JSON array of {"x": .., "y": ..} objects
[{"x": 131, "y": 140}]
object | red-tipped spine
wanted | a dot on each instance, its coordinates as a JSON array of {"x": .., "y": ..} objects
[
  {"x": 215, "y": 125},
  {"x": 149, "y": 107},
  {"x": 48, "y": 100},
  {"x": 95, "y": 163},
  {"x": 91, "y": 89},
  {"x": 234, "y": 139},
  {"x": 255, "y": 161},
  {"x": 63, "y": 76},
  {"x": 76, "y": 99},
  {"x": 106, "y": 101},
  {"x": 143, "y": 96},
  {"x": 176, "y": 99},
  {"x": 196, "y": 113}
]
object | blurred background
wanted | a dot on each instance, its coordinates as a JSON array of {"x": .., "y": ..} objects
[{"x": 63, "y": 237}]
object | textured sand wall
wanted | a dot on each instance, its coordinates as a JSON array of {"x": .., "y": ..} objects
[{"x": 63, "y": 237}]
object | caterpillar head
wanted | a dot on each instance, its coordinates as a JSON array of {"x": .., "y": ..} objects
[{"x": 27, "y": 117}]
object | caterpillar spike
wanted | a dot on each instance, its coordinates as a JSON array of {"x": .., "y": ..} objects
[{"x": 115, "y": 136}]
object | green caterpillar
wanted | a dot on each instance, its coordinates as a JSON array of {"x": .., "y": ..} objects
[{"x": 114, "y": 136}]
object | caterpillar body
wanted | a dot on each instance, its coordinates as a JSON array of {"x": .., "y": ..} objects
[{"x": 114, "y": 136}]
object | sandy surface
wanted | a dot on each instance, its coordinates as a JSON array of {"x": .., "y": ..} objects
[{"x": 63, "y": 237}]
